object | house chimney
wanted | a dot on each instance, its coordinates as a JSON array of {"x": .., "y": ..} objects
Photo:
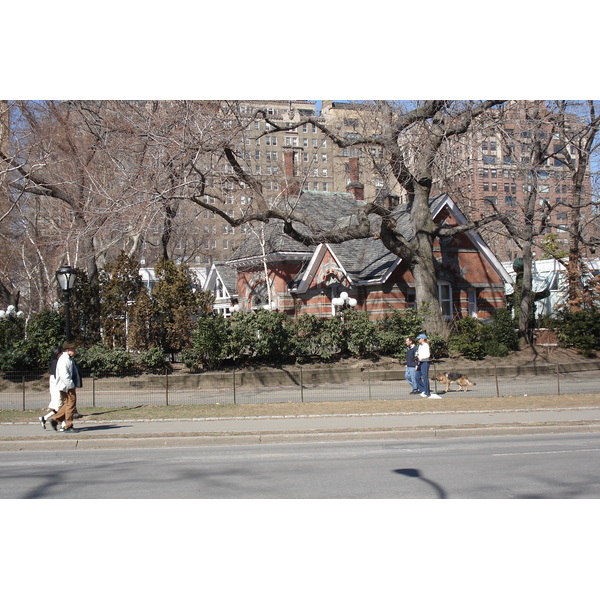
[
  {"x": 289, "y": 167},
  {"x": 355, "y": 186}
]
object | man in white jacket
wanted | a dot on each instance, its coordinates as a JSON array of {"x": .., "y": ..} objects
[{"x": 67, "y": 380}]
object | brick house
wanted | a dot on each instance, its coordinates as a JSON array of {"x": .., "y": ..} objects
[{"x": 312, "y": 280}]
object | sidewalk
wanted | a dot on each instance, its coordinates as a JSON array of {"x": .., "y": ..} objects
[{"x": 258, "y": 430}]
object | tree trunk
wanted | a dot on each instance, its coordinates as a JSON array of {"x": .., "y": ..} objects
[
  {"x": 424, "y": 270},
  {"x": 526, "y": 303}
]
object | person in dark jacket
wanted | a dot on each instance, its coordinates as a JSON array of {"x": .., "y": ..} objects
[{"x": 411, "y": 365}]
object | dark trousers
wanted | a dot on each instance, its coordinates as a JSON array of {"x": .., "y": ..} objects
[{"x": 423, "y": 377}]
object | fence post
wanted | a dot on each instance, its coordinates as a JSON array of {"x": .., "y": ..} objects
[
  {"x": 23, "y": 392},
  {"x": 434, "y": 378},
  {"x": 558, "y": 378},
  {"x": 369, "y": 381},
  {"x": 496, "y": 377},
  {"x": 93, "y": 390},
  {"x": 301, "y": 385},
  {"x": 233, "y": 377},
  {"x": 167, "y": 385}
]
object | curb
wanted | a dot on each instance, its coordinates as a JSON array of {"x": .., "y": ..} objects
[{"x": 170, "y": 440}]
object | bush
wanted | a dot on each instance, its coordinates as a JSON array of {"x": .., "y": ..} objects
[
  {"x": 306, "y": 333},
  {"x": 210, "y": 341},
  {"x": 271, "y": 340},
  {"x": 360, "y": 333},
  {"x": 98, "y": 359},
  {"x": 22, "y": 356},
  {"x": 500, "y": 336},
  {"x": 467, "y": 339},
  {"x": 394, "y": 329},
  {"x": 45, "y": 331},
  {"x": 332, "y": 339},
  {"x": 12, "y": 330},
  {"x": 579, "y": 329},
  {"x": 438, "y": 346},
  {"x": 153, "y": 360},
  {"x": 191, "y": 359}
]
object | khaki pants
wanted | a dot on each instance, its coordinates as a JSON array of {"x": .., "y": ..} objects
[{"x": 65, "y": 412}]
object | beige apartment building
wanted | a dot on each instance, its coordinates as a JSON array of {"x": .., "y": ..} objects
[{"x": 301, "y": 158}]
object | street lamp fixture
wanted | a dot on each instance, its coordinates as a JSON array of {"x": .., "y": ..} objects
[
  {"x": 66, "y": 280},
  {"x": 342, "y": 302}
]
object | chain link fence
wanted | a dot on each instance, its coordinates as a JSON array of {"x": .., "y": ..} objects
[{"x": 23, "y": 391}]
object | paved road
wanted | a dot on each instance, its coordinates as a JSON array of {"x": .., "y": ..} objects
[{"x": 547, "y": 466}]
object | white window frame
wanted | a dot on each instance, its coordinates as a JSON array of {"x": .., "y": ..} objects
[
  {"x": 472, "y": 302},
  {"x": 445, "y": 303}
]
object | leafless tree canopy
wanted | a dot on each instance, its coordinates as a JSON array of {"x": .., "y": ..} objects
[{"x": 84, "y": 180}]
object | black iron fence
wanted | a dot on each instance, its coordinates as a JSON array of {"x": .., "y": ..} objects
[{"x": 21, "y": 391}]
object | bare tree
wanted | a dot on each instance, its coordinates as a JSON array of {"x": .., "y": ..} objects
[
  {"x": 578, "y": 126},
  {"x": 93, "y": 178},
  {"x": 411, "y": 138}
]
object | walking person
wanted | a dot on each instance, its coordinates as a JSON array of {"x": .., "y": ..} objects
[
  {"x": 423, "y": 358},
  {"x": 68, "y": 379},
  {"x": 410, "y": 373},
  {"x": 55, "y": 399}
]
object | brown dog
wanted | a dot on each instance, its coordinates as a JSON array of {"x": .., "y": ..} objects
[{"x": 448, "y": 378}]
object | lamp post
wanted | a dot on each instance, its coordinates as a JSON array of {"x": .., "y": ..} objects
[
  {"x": 344, "y": 301},
  {"x": 66, "y": 280}
]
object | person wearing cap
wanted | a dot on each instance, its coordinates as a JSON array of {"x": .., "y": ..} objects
[
  {"x": 67, "y": 380},
  {"x": 423, "y": 358},
  {"x": 410, "y": 373}
]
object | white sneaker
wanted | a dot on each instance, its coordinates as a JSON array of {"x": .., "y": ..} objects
[
  {"x": 434, "y": 397},
  {"x": 423, "y": 395}
]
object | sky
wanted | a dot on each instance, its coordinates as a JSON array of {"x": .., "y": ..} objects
[{"x": 376, "y": 51}]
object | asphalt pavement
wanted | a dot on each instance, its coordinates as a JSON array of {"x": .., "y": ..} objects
[{"x": 245, "y": 430}]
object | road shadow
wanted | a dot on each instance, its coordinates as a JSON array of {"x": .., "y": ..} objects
[
  {"x": 417, "y": 475},
  {"x": 103, "y": 427},
  {"x": 107, "y": 412}
]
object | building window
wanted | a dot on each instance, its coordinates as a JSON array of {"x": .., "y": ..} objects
[
  {"x": 472, "y": 302},
  {"x": 509, "y": 201},
  {"x": 445, "y": 298}
]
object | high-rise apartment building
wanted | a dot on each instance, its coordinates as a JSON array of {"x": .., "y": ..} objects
[{"x": 511, "y": 155}]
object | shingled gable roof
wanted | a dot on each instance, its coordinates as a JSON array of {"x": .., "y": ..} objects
[
  {"x": 226, "y": 274},
  {"x": 330, "y": 210},
  {"x": 365, "y": 261}
]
